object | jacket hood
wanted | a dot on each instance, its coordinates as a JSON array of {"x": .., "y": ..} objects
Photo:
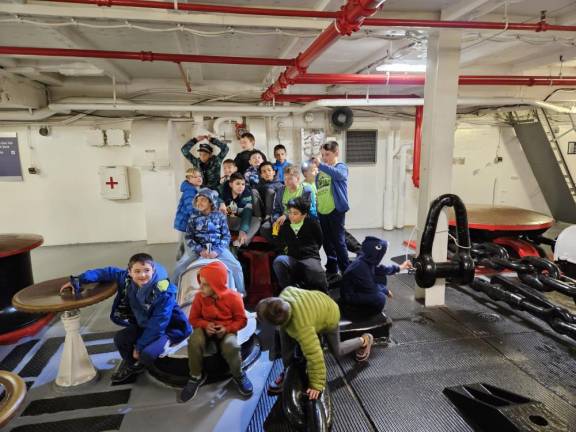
[
  {"x": 185, "y": 186},
  {"x": 373, "y": 250},
  {"x": 216, "y": 274},
  {"x": 212, "y": 196}
]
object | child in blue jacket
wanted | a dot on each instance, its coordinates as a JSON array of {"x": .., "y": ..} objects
[
  {"x": 145, "y": 305},
  {"x": 208, "y": 236},
  {"x": 363, "y": 289},
  {"x": 189, "y": 189}
]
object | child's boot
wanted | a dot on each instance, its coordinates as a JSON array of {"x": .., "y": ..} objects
[
  {"x": 275, "y": 388},
  {"x": 244, "y": 384},
  {"x": 191, "y": 388}
]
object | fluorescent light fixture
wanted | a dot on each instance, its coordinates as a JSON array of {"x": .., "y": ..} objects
[{"x": 401, "y": 67}]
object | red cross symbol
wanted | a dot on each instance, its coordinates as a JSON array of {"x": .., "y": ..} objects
[{"x": 111, "y": 183}]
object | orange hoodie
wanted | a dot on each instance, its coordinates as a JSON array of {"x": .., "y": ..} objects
[{"x": 226, "y": 309}]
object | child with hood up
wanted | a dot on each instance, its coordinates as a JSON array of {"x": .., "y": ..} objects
[
  {"x": 145, "y": 305},
  {"x": 364, "y": 290},
  {"x": 189, "y": 189},
  {"x": 217, "y": 313}
]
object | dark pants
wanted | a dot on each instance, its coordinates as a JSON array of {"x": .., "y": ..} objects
[
  {"x": 125, "y": 341},
  {"x": 307, "y": 272},
  {"x": 334, "y": 242}
]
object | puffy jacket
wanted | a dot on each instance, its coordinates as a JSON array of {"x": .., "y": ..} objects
[
  {"x": 208, "y": 229},
  {"x": 279, "y": 169},
  {"x": 225, "y": 308},
  {"x": 185, "y": 206},
  {"x": 364, "y": 281},
  {"x": 210, "y": 169},
  {"x": 339, "y": 186},
  {"x": 152, "y": 307},
  {"x": 305, "y": 244},
  {"x": 312, "y": 312}
]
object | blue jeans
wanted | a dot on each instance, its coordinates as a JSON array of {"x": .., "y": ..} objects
[
  {"x": 334, "y": 241},
  {"x": 225, "y": 256},
  {"x": 125, "y": 341}
]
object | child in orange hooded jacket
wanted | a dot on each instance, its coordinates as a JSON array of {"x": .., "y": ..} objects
[{"x": 217, "y": 313}]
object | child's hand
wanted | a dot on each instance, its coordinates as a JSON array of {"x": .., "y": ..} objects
[
  {"x": 211, "y": 329},
  {"x": 201, "y": 137},
  {"x": 315, "y": 161},
  {"x": 223, "y": 209},
  {"x": 281, "y": 220},
  {"x": 389, "y": 294},
  {"x": 208, "y": 255},
  {"x": 313, "y": 394},
  {"x": 406, "y": 265},
  {"x": 242, "y": 237},
  {"x": 65, "y": 287},
  {"x": 220, "y": 330}
]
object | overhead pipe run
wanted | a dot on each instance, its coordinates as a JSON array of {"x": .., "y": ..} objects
[
  {"x": 143, "y": 56},
  {"x": 349, "y": 20},
  {"x": 540, "y": 26},
  {"x": 305, "y": 98}
]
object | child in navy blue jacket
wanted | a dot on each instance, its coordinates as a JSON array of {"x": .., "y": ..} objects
[
  {"x": 145, "y": 305},
  {"x": 189, "y": 189},
  {"x": 364, "y": 290}
]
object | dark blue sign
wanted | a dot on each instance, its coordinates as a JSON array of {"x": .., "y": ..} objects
[{"x": 10, "y": 168}]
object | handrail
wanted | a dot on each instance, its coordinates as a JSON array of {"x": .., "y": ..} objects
[{"x": 14, "y": 394}]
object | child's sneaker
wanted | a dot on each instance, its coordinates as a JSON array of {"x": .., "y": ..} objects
[
  {"x": 245, "y": 387},
  {"x": 363, "y": 353},
  {"x": 277, "y": 386},
  {"x": 191, "y": 388},
  {"x": 126, "y": 371}
]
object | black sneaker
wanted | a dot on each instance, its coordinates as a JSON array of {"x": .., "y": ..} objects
[
  {"x": 126, "y": 371},
  {"x": 244, "y": 384},
  {"x": 191, "y": 388},
  {"x": 277, "y": 386}
]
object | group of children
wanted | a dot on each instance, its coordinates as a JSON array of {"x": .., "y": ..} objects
[{"x": 299, "y": 217}]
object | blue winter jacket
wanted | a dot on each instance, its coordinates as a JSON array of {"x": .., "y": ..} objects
[
  {"x": 208, "y": 229},
  {"x": 279, "y": 169},
  {"x": 364, "y": 281},
  {"x": 185, "y": 206},
  {"x": 151, "y": 307},
  {"x": 339, "y": 174}
]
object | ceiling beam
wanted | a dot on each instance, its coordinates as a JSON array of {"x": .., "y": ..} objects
[
  {"x": 188, "y": 44},
  {"x": 161, "y": 16},
  {"x": 37, "y": 75},
  {"x": 461, "y": 9}
]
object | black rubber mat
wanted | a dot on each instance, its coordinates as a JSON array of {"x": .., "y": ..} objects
[
  {"x": 97, "y": 336},
  {"x": 70, "y": 403},
  {"x": 101, "y": 348},
  {"x": 266, "y": 402},
  {"x": 87, "y": 424},
  {"x": 15, "y": 356},
  {"x": 35, "y": 366}
]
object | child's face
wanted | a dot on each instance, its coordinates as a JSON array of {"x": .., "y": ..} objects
[
  {"x": 229, "y": 169},
  {"x": 311, "y": 172},
  {"x": 295, "y": 216},
  {"x": 329, "y": 157},
  {"x": 246, "y": 144},
  {"x": 238, "y": 186},
  {"x": 204, "y": 156},
  {"x": 291, "y": 180},
  {"x": 141, "y": 273},
  {"x": 280, "y": 155},
  {"x": 205, "y": 288},
  {"x": 195, "y": 179},
  {"x": 267, "y": 173},
  {"x": 256, "y": 160},
  {"x": 203, "y": 204}
]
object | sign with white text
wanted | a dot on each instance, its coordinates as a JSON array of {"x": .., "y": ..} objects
[{"x": 10, "y": 167}]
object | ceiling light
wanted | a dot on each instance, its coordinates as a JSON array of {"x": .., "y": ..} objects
[{"x": 401, "y": 67}]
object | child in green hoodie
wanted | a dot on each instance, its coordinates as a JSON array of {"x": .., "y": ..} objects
[{"x": 302, "y": 315}]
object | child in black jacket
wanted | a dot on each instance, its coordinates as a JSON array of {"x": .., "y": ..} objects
[{"x": 302, "y": 238}]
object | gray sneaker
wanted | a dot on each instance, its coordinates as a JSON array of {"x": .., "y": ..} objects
[{"x": 191, "y": 388}]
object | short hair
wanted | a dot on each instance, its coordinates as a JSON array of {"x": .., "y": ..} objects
[
  {"x": 291, "y": 170},
  {"x": 253, "y": 152},
  {"x": 330, "y": 146},
  {"x": 249, "y": 136},
  {"x": 300, "y": 203},
  {"x": 279, "y": 147},
  {"x": 263, "y": 164},
  {"x": 141, "y": 258},
  {"x": 229, "y": 162},
  {"x": 193, "y": 170},
  {"x": 236, "y": 176},
  {"x": 274, "y": 310}
]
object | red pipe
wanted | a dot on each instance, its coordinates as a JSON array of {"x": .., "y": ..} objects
[
  {"x": 144, "y": 56},
  {"x": 417, "y": 146},
  {"x": 350, "y": 19},
  {"x": 406, "y": 79},
  {"x": 305, "y": 98},
  {"x": 540, "y": 26}
]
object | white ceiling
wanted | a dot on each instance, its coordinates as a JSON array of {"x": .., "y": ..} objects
[{"x": 502, "y": 51}]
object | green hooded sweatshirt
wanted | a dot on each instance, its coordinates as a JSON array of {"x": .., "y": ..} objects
[{"x": 312, "y": 312}]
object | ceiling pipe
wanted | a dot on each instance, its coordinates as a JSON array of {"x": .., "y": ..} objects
[
  {"x": 30, "y": 116},
  {"x": 417, "y": 146},
  {"x": 419, "y": 79},
  {"x": 143, "y": 56},
  {"x": 540, "y": 26},
  {"x": 350, "y": 18},
  {"x": 305, "y": 98}
]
